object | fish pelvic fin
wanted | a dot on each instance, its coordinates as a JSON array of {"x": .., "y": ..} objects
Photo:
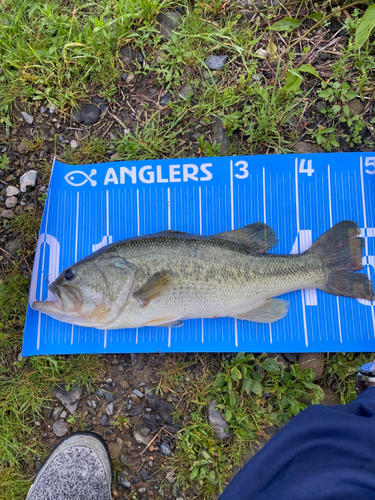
[
  {"x": 341, "y": 250},
  {"x": 168, "y": 321},
  {"x": 257, "y": 236},
  {"x": 154, "y": 287},
  {"x": 271, "y": 311}
]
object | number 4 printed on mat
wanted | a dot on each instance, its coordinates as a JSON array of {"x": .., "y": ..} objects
[{"x": 306, "y": 170}]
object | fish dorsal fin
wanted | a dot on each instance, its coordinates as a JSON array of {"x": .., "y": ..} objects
[
  {"x": 155, "y": 286},
  {"x": 171, "y": 232},
  {"x": 257, "y": 236}
]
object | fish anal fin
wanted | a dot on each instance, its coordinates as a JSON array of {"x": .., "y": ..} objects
[
  {"x": 155, "y": 286},
  {"x": 272, "y": 310},
  {"x": 257, "y": 236},
  {"x": 169, "y": 321}
]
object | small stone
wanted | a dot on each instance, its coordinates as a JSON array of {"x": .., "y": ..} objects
[
  {"x": 142, "y": 490},
  {"x": 92, "y": 412},
  {"x": 171, "y": 477},
  {"x": 150, "y": 420},
  {"x": 219, "y": 135},
  {"x": 138, "y": 393},
  {"x": 167, "y": 23},
  {"x": 216, "y": 62},
  {"x": 121, "y": 368},
  {"x": 115, "y": 493},
  {"x": 11, "y": 202},
  {"x": 133, "y": 358},
  {"x": 73, "y": 144},
  {"x": 37, "y": 464},
  {"x": 47, "y": 410},
  {"x": 70, "y": 398},
  {"x": 28, "y": 179},
  {"x": 59, "y": 428},
  {"x": 161, "y": 492},
  {"x": 42, "y": 110},
  {"x": 165, "y": 449},
  {"x": 135, "y": 413},
  {"x": 321, "y": 106},
  {"x": 144, "y": 473},
  {"x": 91, "y": 404},
  {"x": 186, "y": 91},
  {"x": 123, "y": 482},
  {"x": 109, "y": 381},
  {"x": 356, "y": 106},
  {"x": 88, "y": 114},
  {"x": 63, "y": 414},
  {"x": 291, "y": 357},
  {"x": 136, "y": 399},
  {"x": 124, "y": 76},
  {"x": 165, "y": 100},
  {"x": 145, "y": 431},
  {"x": 217, "y": 422},
  {"x": 140, "y": 438},
  {"x": 52, "y": 110},
  {"x": 28, "y": 118},
  {"x": 114, "y": 450},
  {"x": 104, "y": 420},
  {"x": 135, "y": 480},
  {"x": 109, "y": 409},
  {"x": 124, "y": 384},
  {"x": 7, "y": 214},
  {"x": 304, "y": 147},
  {"x": 315, "y": 361},
  {"x": 262, "y": 53},
  {"x": 130, "y": 78},
  {"x": 109, "y": 397},
  {"x": 127, "y": 55},
  {"x": 12, "y": 247},
  {"x": 12, "y": 191},
  {"x": 23, "y": 147}
]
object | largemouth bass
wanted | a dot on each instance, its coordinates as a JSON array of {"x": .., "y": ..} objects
[{"x": 163, "y": 278}]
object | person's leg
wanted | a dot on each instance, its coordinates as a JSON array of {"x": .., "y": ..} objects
[
  {"x": 325, "y": 452},
  {"x": 79, "y": 468}
]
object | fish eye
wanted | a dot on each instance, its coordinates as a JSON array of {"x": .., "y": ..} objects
[{"x": 69, "y": 274}]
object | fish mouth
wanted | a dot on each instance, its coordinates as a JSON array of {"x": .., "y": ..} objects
[{"x": 68, "y": 300}]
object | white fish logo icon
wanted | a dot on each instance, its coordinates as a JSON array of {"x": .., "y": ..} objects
[{"x": 71, "y": 178}]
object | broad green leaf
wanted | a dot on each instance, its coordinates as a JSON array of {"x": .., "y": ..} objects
[
  {"x": 365, "y": 27},
  {"x": 228, "y": 415},
  {"x": 194, "y": 473},
  {"x": 256, "y": 388},
  {"x": 324, "y": 94},
  {"x": 336, "y": 109},
  {"x": 315, "y": 15},
  {"x": 292, "y": 81},
  {"x": 307, "y": 68},
  {"x": 286, "y": 24},
  {"x": 271, "y": 365},
  {"x": 351, "y": 95},
  {"x": 247, "y": 383},
  {"x": 220, "y": 380},
  {"x": 233, "y": 399},
  {"x": 212, "y": 477},
  {"x": 295, "y": 408},
  {"x": 236, "y": 374}
]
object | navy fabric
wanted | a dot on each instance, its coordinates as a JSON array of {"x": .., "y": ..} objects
[{"x": 325, "y": 452}]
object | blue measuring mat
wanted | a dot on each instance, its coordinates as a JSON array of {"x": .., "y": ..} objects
[{"x": 299, "y": 196}]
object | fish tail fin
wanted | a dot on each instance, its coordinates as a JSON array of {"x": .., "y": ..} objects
[{"x": 341, "y": 249}]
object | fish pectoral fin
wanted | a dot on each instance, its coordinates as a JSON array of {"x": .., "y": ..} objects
[
  {"x": 257, "y": 236},
  {"x": 154, "y": 287},
  {"x": 269, "y": 312},
  {"x": 169, "y": 321}
]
